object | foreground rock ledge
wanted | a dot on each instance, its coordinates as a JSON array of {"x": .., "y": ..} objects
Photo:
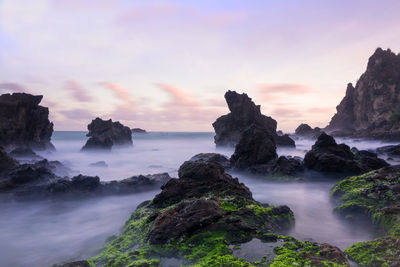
[
  {"x": 197, "y": 219},
  {"x": 374, "y": 197}
]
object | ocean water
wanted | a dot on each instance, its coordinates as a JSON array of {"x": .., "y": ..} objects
[{"x": 41, "y": 233}]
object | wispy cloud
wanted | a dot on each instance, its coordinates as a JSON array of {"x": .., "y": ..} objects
[
  {"x": 9, "y": 87},
  {"x": 77, "y": 91}
]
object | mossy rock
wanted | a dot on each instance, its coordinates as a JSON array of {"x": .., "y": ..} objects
[{"x": 374, "y": 196}]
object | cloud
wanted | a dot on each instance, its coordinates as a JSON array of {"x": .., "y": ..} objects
[
  {"x": 8, "y": 87},
  {"x": 321, "y": 110},
  {"x": 275, "y": 92},
  {"x": 77, "y": 91},
  {"x": 286, "y": 112},
  {"x": 77, "y": 114},
  {"x": 180, "y": 97}
]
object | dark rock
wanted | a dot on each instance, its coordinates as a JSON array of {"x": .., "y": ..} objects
[
  {"x": 99, "y": 164},
  {"x": 391, "y": 150},
  {"x": 138, "y": 130},
  {"x": 255, "y": 147},
  {"x": 23, "y": 122},
  {"x": 184, "y": 219},
  {"x": 371, "y": 108},
  {"x": 286, "y": 165},
  {"x": 6, "y": 162},
  {"x": 24, "y": 153},
  {"x": 105, "y": 134},
  {"x": 215, "y": 157},
  {"x": 305, "y": 130},
  {"x": 284, "y": 140},
  {"x": 197, "y": 178},
  {"x": 243, "y": 114},
  {"x": 279, "y": 132},
  {"x": 328, "y": 156}
]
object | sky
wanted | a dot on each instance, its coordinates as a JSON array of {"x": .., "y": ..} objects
[{"x": 165, "y": 65}]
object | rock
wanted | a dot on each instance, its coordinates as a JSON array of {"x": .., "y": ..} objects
[
  {"x": 6, "y": 162},
  {"x": 286, "y": 166},
  {"x": 243, "y": 114},
  {"x": 196, "y": 178},
  {"x": 105, "y": 134},
  {"x": 23, "y": 122},
  {"x": 81, "y": 263},
  {"x": 255, "y": 147},
  {"x": 372, "y": 197},
  {"x": 212, "y": 157},
  {"x": 184, "y": 219},
  {"x": 284, "y": 141},
  {"x": 391, "y": 150},
  {"x": 21, "y": 153},
  {"x": 328, "y": 156},
  {"x": 99, "y": 164},
  {"x": 372, "y": 108},
  {"x": 305, "y": 130},
  {"x": 138, "y": 130}
]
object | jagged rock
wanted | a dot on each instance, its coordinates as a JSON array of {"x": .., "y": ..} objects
[
  {"x": 255, "y": 147},
  {"x": 6, "y": 162},
  {"x": 328, "y": 156},
  {"x": 305, "y": 130},
  {"x": 23, "y": 122},
  {"x": 196, "y": 178},
  {"x": 243, "y": 113},
  {"x": 372, "y": 108},
  {"x": 284, "y": 140},
  {"x": 286, "y": 165},
  {"x": 105, "y": 134},
  {"x": 391, "y": 150},
  {"x": 138, "y": 130},
  {"x": 208, "y": 157}
]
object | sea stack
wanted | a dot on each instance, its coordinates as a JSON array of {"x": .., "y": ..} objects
[
  {"x": 372, "y": 108},
  {"x": 104, "y": 134},
  {"x": 244, "y": 113},
  {"x": 24, "y": 123}
]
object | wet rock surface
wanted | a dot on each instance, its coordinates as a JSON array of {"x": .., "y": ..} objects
[
  {"x": 371, "y": 108},
  {"x": 328, "y": 156},
  {"x": 23, "y": 122},
  {"x": 243, "y": 114},
  {"x": 106, "y": 134}
]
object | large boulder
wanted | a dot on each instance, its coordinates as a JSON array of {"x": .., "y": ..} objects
[
  {"x": 23, "y": 122},
  {"x": 105, "y": 134},
  {"x": 305, "y": 130},
  {"x": 372, "y": 107},
  {"x": 255, "y": 147},
  {"x": 328, "y": 156},
  {"x": 244, "y": 113}
]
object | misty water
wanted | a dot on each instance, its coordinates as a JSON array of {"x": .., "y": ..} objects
[{"x": 41, "y": 233}]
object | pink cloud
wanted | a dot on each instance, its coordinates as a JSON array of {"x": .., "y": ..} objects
[
  {"x": 154, "y": 11},
  {"x": 179, "y": 96},
  {"x": 77, "y": 91},
  {"x": 120, "y": 92},
  {"x": 284, "y": 88},
  {"x": 321, "y": 110},
  {"x": 286, "y": 112}
]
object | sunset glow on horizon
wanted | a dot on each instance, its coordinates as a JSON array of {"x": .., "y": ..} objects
[{"x": 165, "y": 65}]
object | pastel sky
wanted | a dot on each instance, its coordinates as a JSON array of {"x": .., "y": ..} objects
[{"x": 165, "y": 65}]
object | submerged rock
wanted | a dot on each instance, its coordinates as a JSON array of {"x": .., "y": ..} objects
[
  {"x": 391, "y": 150},
  {"x": 21, "y": 153},
  {"x": 23, "y": 122},
  {"x": 243, "y": 114},
  {"x": 328, "y": 156},
  {"x": 105, "y": 134},
  {"x": 373, "y": 197},
  {"x": 99, "y": 164},
  {"x": 305, "y": 130},
  {"x": 371, "y": 108}
]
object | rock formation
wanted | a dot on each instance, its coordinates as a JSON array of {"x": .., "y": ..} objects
[
  {"x": 138, "y": 130},
  {"x": 305, "y": 130},
  {"x": 328, "y": 156},
  {"x": 105, "y": 134},
  {"x": 243, "y": 114},
  {"x": 372, "y": 108},
  {"x": 6, "y": 162},
  {"x": 23, "y": 122},
  {"x": 256, "y": 146}
]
